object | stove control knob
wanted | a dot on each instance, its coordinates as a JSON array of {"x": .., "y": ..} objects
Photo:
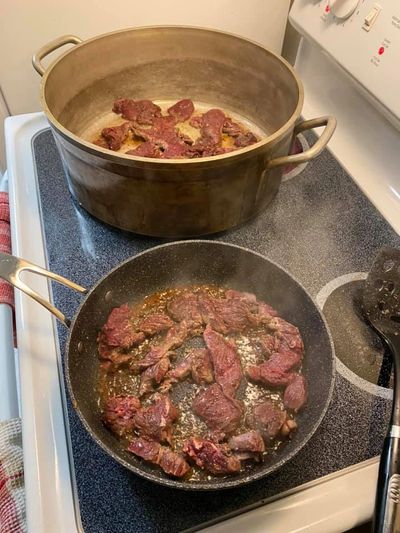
[{"x": 343, "y": 9}]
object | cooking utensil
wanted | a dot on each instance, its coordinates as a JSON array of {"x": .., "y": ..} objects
[
  {"x": 175, "y": 197},
  {"x": 177, "y": 264},
  {"x": 381, "y": 306}
]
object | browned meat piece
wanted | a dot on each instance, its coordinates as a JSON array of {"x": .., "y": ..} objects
[
  {"x": 201, "y": 366},
  {"x": 225, "y": 360},
  {"x": 146, "y": 149},
  {"x": 245, "y": 139},
  {"x": 182, "y": 110},
  {"x": 208, "y": 455},
  {"x": 235, "y": 314},
  {"x": 141, "y": 111},
  {"x": 175, "y": 337},
  {"x": 180, "y": 372},
  {"x": 295, "y": 395},
  {"x": 211, "y": 126},
  {"x": 196, "y": 121},
  {"x": 166, "y": 137},
  {"x": 176, "y": 150},
  {"x": 118, "y": 413},
  {"x": 245, "y": 296},
  {"x": 276, "y": 371},
  {"x": 268, "y": 419},
  {"x": 209, "y": 313},
  {"x": 155, "y": 323},
  {"x": 231, "y": 128},
  {"x": 116, "y": 135},
  {"x": 156, "y": 420},
  {"x": 218, "y": 410},
  {"x": 153, "y": 375},
  {"x": 185, "y": 307},
  {"x": 251, "y": 441},
  {"x": 269, "y": 344},
  {"x": 265, "y": 313},
  {"x": 172, "y": 463},
  {"x": 147, "y": 449},
  {"x": 101, "y": 142},
  {"x": 113, "y": 358},
  {"x": 118, "y": 332}
]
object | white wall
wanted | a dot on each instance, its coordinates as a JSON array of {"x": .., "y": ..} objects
[{"x": 28, "y": 24}]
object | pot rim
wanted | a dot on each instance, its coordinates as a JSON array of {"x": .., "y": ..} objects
[{"x": 122, "y": 158}]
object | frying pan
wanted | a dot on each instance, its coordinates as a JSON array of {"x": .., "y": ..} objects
[{"x": 173, "y": 265}]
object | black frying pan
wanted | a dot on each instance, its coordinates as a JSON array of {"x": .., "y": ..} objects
[{"x": 177, "y": 264}]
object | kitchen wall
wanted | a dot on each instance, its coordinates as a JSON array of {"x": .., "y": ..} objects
[{"x": 30, "y": 24}]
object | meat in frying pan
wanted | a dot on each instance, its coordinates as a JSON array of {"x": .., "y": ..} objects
[
  {"x": 115, "y": 136},
  {"x": 155, "y": 323},
  {"x": 119, "y": 331},
  {"x": 267, "y": 418},
  {"x": 172, "y": 463},
  {"x": 217, "y": 409},
  {"x": 269, "y": 344},
  {"x": 140, "y": 111},
  {"x": 251, "y": 441},
  {"x": 174, "y": 338},
  {"x": 118, "y": 413},
  {"x": 210, "y": 124},
  {"x": 295, "y": 395},
  {"x": 201, "y": 366},
  {"x": 155, "y": 421},
  {"x": 197, "y": 363},
  {"x": 182, "y": 110},
  {"x": 210, "y": 456},
  {"x": 185, "y": 307},
  {"x": 178, "y": 373},
  {"x": 225, "y": 360},
  {"x": 183, "y": 320},
  {"x": 153, "y": 375}
]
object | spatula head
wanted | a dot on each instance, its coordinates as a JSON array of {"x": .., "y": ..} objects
[{"x": 381, "y": 295}]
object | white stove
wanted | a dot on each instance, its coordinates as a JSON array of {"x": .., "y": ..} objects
[{"x": 338, "y": 54}]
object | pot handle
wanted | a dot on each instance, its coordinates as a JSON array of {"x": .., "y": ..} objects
[
  {"x": 10, "y": 269},
  {"x": 313, "y": 151},
  {"x": 50, "y": 47}
]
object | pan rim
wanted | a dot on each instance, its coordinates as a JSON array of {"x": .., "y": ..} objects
[{"x": 225, "y": 483}]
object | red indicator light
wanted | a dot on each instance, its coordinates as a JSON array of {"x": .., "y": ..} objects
[
  {"x": 327, "y": 9},
  {"x": 381, "y": 50}
]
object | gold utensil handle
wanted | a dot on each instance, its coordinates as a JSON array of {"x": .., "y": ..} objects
[{"x": 10, "y": 270}]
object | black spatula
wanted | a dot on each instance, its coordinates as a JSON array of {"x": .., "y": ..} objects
[{"x": 381, "y": 306}]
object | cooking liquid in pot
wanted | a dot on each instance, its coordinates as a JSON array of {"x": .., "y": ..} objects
[
  {"x": 182, "y": 394},
  {"x": 112, "y": 119}
]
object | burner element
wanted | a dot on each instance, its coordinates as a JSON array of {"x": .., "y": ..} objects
[
  {"x": 299, "y": 146},
  {"x": 362, "y": 357}
]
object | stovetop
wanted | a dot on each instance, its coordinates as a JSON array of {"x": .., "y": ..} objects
[{"x": 325, "y": 232}]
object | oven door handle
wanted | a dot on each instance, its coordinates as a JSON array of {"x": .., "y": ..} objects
[
  {"x": 10, "y": 270},
  {"x": 330, "y": 125},
  {"x": 50, "y": 47}
]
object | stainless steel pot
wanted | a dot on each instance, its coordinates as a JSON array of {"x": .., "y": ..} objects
[{"x": 176, "y": 197}]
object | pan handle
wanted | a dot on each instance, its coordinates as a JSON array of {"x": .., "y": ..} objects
[
  {"x": 313, "y": 151},
  {"x": 10, "y": 270},
  {"x": 50, "y": 47}
]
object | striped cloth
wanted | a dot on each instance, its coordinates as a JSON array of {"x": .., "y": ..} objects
[
  {"x": 6, "y": 291},
  {"x": 12, "y": 492}
]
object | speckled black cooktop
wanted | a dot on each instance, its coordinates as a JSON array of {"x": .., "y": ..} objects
[{"x": 325, "y": 232}]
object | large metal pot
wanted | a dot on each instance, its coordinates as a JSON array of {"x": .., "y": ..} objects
[{"x": 176, "y": 197}]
